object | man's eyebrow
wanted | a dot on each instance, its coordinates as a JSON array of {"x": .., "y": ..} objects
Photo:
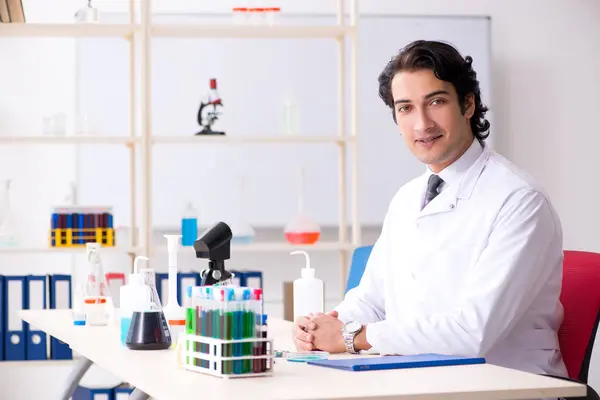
[{"x": 428, "y": 96}]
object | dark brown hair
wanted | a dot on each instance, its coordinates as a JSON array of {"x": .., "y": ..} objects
[{"x": 448, "y": 65}]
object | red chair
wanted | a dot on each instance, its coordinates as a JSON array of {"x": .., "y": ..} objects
[{"x": 580, "y": 298}]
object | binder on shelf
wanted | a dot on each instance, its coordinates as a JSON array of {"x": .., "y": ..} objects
[
  {"x": 2, "y": 312},
  {"x": 83, "y": 393},
  {"x": 36, "y": 347},
  {"x": 60, "y": 298},
  {"x": 123, "y": 391},
  {"x": 251, "y": 276},
  {"x": 162, "y": 287},
  {"x": 16, "y": 330},
  {"x": 243, "y": 278},
  {"x": 237, "y": 277},
  {"x": 185, "y": 279}
]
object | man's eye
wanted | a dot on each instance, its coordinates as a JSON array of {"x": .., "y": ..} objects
[
  {"x": 437, "y": 101},
  {"x": 403, "y": 109}
]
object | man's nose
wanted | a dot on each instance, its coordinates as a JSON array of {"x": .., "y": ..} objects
[{"x": 423, "y": 122}]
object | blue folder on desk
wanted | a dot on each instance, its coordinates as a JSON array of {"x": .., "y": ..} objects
[{"x": 397, "y": 362}]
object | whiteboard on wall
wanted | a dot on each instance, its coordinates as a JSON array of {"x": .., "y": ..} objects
[{"x": 255, "y": 78}]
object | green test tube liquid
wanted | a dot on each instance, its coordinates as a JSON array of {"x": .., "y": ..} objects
[
  {"x": 190, "y": 322},
  {"x": 228, "y": 327},
  {"x": 247, "y": 330}
]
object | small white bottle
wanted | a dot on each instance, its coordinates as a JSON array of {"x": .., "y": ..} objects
[
  {"x": 308, "y": 291},
  {"x": 129, "y": 294}
]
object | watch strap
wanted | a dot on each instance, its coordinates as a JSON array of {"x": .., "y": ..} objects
[{"x": 349, "y": 342}]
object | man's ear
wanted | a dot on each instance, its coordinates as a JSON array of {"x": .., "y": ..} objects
[{"x": 469, "y": 105}]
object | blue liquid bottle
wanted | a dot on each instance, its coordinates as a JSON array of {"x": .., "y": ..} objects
[{"x": 189, "y": 225}]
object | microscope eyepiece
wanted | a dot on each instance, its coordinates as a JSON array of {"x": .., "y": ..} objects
[{"x": 215, "y": 245}]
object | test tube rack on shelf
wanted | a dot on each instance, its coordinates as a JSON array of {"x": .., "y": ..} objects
[
  {"x": 74, "y": 226},
  {"x": 213, "y": 362}
]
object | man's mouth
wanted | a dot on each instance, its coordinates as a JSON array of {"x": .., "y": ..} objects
[{"x": 429, "y": 139}]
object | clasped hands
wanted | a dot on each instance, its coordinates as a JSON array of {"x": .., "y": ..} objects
[{"x": 319, "y": 332}]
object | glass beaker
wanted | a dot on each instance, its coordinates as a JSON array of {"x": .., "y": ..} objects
[{"x": 148, "y": 329}]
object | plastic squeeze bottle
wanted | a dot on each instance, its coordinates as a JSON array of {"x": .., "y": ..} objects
[
  {"x": 308, "y": 290},
  {"x": 174, "y": 313},
  {"x": 129, "y": 294}
]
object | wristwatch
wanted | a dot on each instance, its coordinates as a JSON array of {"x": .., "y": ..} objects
[{"x": 349, "y": 332}]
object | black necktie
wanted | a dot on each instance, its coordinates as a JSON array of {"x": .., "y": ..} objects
[{"x": 432, "y": 188}]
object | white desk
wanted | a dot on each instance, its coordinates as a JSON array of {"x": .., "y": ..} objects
[{"x": 156, "y": 373}]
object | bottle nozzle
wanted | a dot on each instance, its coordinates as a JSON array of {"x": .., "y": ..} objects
[
  {"x": 135, "y": 263},
  {"x": 172, "y": 244},
  {"x": 307, "y": 271}
]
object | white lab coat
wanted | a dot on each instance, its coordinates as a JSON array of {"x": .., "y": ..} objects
[{"x": 476, "y": 272}]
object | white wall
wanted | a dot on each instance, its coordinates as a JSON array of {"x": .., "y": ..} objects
[{"x": 545, "y": 97}]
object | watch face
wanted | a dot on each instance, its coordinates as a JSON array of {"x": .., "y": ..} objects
[{"x": 352, "y": 327}]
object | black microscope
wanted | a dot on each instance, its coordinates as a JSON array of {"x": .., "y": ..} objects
[{"x": 215, "y": 245}]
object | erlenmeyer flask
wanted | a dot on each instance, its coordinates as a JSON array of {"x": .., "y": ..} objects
[
  {"x": 7, "y": 235},
  {"x": 148, "y": 329},
  {"x": 302, "y": 229},
  {"x": 98, "y": 305}
]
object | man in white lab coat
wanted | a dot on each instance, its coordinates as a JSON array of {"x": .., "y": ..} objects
[{"x": 469, "y": 260}]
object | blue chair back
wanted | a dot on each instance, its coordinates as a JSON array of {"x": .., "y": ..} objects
[{"x": 357, "y": 267}]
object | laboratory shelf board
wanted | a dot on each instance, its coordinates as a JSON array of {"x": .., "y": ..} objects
[
  {"x": 258, "y": 247},
  {"x": 124, "y": 140},
  {"x": 248, "y": 31},
  {"x": 63, "y": 250},
  {"x": 228, "y": 139},
  {"x": 66, "y": 30}
]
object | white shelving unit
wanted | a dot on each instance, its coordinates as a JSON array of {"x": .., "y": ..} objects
[{"x": 140, "y": 33}]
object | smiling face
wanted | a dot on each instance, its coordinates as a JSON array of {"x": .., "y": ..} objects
[{"x": 430, "y": 119}]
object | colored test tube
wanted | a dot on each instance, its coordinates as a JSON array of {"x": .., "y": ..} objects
[
  {"x": 263, "y": 334},
  {"x": 190, "y": 325},
  {"x": 206, "y": 324},
  {"x": 218, "y": 320},
  {"x": 248, "y": 330},
  {"x": 227, "y": 318},
  {"x": 53, "y": 227},
  {"x": 238, "y": 323},
  {"x": 257, "y": 300}
]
